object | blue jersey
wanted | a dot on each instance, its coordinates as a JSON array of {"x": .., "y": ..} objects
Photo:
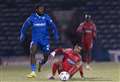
[{"x": 40, "y": 26}]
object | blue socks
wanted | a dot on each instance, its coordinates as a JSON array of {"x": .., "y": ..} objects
[{"x": 33, "y": 67}]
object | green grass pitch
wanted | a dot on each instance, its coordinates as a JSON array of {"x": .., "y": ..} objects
[{"x": 101, "y": 72}]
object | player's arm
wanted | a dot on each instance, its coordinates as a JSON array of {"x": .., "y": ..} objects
[
  {"x": 94, "y": 31},
  {"x": 79, "y": 31},
  {"x": 80, "y": 28},
  {"x": 25, "y": 26},
  {"x": 56, "y": 51},
  {"x": 53, "y": 28}
]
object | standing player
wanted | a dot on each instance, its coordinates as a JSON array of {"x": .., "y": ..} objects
[
  {"x": 88, "y": 31},
  {"x": 70, "y": 63},
  {"x": 40, "y": 23}
]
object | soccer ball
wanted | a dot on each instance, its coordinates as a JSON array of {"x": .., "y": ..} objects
[{"x": 64, "y": 76}]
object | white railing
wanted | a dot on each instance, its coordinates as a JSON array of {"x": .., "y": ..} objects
[{"x": 115, "y": 55}]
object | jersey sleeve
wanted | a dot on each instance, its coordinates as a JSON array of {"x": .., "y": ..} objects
[
  {"x": 25, "y": 26},
  {"x": 80, "y": 28},
  {"x": 59, "y": 50},
  {"x": 53, "y": 28}
]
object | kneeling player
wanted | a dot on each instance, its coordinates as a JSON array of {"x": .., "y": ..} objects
[{"x": 70, "y": 63}]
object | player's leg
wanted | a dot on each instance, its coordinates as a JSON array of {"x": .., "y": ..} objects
[
  {"x": 68, "y": 68},
  {"x": 76, "y": 68},
  {"x": 60, "y": 68},
  {"x": 88, "y": 58},
  {"x": 46, "y": 52},
  {"x": 33, "y": 50},
  {"x": 55, "y": 67},
  {"x": 81, "y": 71},
  {"x": 87, "y": 54},
  {"x": 42, "y": 62}
]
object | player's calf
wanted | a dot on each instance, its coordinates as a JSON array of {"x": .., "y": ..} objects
[
  {"x": 42, "y": 62},
  {"x": 56, "y": 67},
  {"x": 75, "y": 68}
]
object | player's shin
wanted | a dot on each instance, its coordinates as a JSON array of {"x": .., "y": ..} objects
[
  {"x": 73, "y": 70},
  {"x": 45, "y": 59},
  {"x": 33, "y": 50},
  {"x": 42, "y": 62},
  {"x": 33, "y": 67},
  {"x": 33, "y": 63},
  {"x": 88, "y": 56},
  {"x": 88, "y": 60},
  {"x": 81, "y": 71},
  {"x": 54, "y": 69}
]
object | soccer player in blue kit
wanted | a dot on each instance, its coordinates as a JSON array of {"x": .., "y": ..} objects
[{"x": 40, "y": 22}]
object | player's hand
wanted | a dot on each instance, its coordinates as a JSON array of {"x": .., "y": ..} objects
[
  {"x": 22, "y": 38},
  {"x": 53, "y": 53}
]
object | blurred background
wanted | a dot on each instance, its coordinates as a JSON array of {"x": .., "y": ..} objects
[{"x": 67, "y": 14}]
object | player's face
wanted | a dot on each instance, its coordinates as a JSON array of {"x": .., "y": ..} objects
[
  {"x": 40, "y": 10},
  {"x": 77, "y": 49},
  {"x": 88, "y": 18}
]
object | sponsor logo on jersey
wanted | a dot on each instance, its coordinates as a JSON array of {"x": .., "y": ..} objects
[
  {"x": 70, "y": 61},
  {"x": 88, "y": 31},
  {"x": 40, "y": 24}
]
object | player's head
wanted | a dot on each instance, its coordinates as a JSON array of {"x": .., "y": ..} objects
[
  {"x": 77, "y": 48},
  {"x": 40, "y": 9},
  {"x": 87, "y": 17}
]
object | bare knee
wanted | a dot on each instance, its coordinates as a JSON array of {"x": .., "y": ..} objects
[
  {"x": 78, "y": 65},
  {"x": 33, "y": 49}
]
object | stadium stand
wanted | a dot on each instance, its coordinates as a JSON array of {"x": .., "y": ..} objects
[{"x": 12, "y": 15}]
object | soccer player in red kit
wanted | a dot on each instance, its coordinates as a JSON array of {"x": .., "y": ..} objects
[
  {"x": 88, "y": 31},
  {"x": 70, "y": 63}
]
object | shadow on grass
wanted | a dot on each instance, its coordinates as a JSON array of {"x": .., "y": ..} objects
[{"x": 91, "y": 79}]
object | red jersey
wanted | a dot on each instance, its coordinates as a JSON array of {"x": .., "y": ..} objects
[
  {"x": 88, "y": 30},
  {"x": 70, "y": 58}
]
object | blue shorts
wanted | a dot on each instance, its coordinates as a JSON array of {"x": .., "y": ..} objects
[{"x": 44, "y": 46}]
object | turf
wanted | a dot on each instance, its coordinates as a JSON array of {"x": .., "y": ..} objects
[{"x": 101, "y": 72}]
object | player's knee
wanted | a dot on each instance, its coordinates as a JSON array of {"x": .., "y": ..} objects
[
  {"x": 33, "y": 49},
  {"x": 78, "y": 65},
  {"x": 45, "y": 59},
  {"x": 32, "y": 52}
]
